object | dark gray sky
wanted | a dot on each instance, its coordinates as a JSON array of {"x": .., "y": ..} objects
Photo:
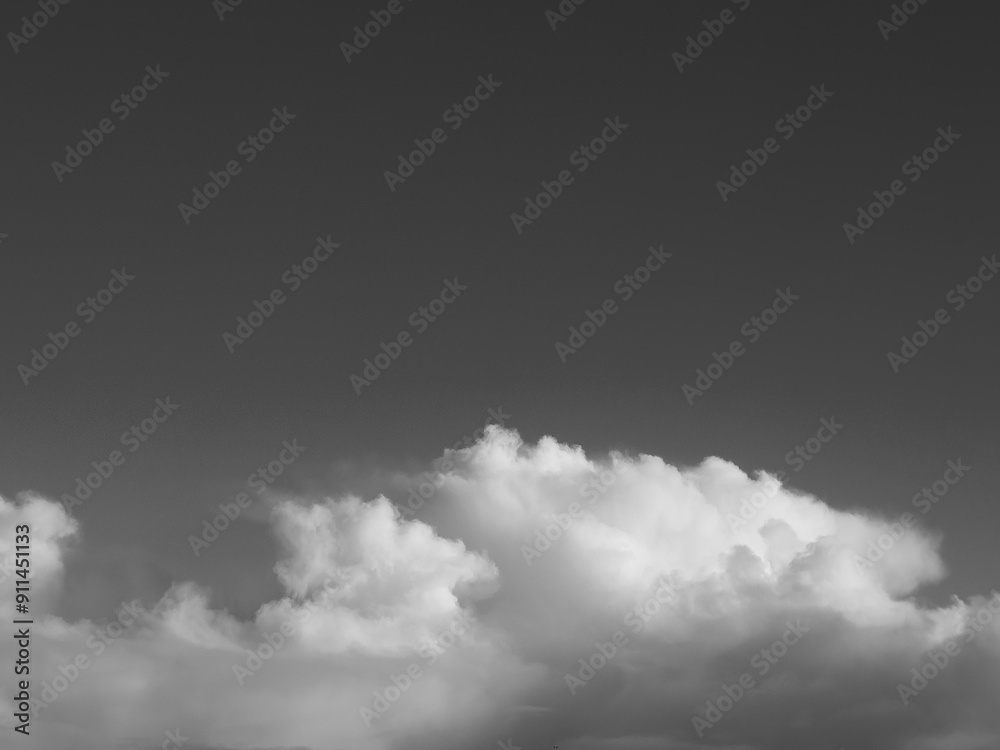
[{"x": 495, "y": 345}]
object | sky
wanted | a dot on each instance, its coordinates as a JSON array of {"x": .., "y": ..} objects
[{"x": 667, "y": 258}]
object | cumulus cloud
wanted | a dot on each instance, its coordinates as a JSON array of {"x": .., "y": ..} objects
[
  {"x": 51, "y": 528},
  {"x": 382, "y": 586},
  {"x": 478, "y": 618}
]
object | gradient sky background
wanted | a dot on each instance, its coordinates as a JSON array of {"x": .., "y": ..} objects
[{"x": 655, "y": 185}]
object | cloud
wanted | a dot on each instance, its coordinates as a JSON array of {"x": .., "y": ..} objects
[
  {"x": 542, "y": 595},
  {"x": 384, "y": 586},
  {"x": 50, "y": 529}
]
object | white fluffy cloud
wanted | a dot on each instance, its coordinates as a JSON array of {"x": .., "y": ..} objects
[
  {"x": 50, "y": 527},
  {"x": 380, "y": 586},
  {"x": 490, "y": 615}
]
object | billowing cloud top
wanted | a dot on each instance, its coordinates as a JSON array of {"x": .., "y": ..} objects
[{"x": 539, "y": 595}]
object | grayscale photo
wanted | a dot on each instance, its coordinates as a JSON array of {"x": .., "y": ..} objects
[{"x": 529, "y": 375}]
